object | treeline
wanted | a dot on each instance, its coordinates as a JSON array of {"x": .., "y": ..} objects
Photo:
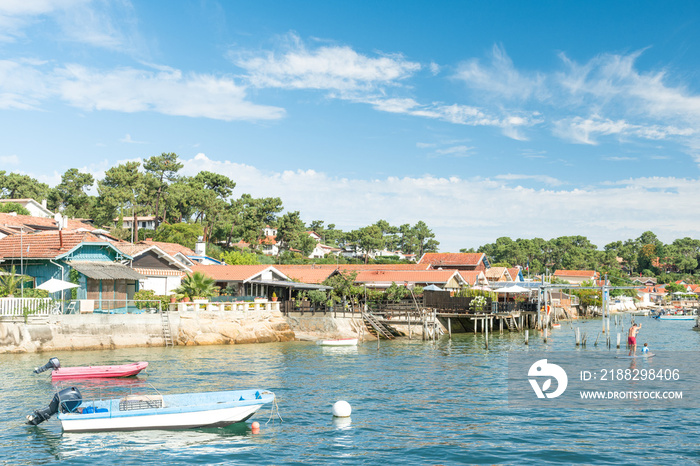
[
  {"x": 185, "y": 207},
  {"x": 646, "y": 256}
]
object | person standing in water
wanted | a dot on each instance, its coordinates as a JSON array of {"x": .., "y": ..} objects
[{"x": 632, "y": 337}]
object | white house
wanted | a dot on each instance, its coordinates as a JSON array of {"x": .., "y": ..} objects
[
  {"x": 143, "y": 222},
  {"x": 35, "y": 209}
]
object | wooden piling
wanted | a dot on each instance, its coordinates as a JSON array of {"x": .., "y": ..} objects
[
  {"x": 486, "y": 335},
  {"x": 545, "y": 334},
  {"x": 618, "y": 340},
  {"x": 449, "y": 327},
  {"x": 527, "y": 337}
]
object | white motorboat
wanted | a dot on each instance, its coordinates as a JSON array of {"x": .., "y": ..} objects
[
  {"x": 338, "y": 342},
  {"x": 152, "y": 411},
  {"x": 677, "y": 317}
]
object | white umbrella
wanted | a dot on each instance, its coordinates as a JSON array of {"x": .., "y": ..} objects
[
  {"x": 55, "y": 285},
  {"x": 481, "y": 287},
  {"x": 512, "y": 289}
]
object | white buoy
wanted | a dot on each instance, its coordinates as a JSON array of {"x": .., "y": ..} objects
[{"x": 342, "y": 409}]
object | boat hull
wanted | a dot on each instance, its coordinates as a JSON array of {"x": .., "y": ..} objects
[
  {"x": 172, "y": 421},
  {"x": 91, "y": 372},
  {"x": 166, "y": 412},
  {"x": 678, "y": 317},
  {"x": 342, "y": 342}
]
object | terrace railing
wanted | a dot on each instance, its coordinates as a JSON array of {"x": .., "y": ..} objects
[{"x": 22, "y": 307}]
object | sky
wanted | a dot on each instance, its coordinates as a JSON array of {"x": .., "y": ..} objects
[{"x": 482, "y": 119}]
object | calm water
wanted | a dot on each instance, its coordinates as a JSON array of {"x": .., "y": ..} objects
[{"x": 413, "y": 403}]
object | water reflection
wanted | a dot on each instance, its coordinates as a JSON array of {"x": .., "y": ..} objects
[{"x": 342, "y": 423}]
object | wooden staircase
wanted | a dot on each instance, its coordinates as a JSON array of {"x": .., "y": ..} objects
[
  {"x": 512, "y": 324},
  {"x": 375, "y": 327},
  {"x": 167, "y": 333}
]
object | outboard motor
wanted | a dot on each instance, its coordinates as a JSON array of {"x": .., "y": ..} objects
[
  {"x": 52, "y": 364},
  {"x": 67, "y": 400}
]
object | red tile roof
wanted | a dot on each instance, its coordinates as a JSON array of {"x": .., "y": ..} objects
[
  {"x": 306, "y": 274},
  {"x": 514, "y": 271},
  {"x": 437, "y": 259},
  {"x": 170, "y": 248},
  {"x": 230, "y": 272},
  {"x": 44, "y": 245},
  {"x": 405, "y": 276},
  {"x": 576, "y": 273},
  {"x": 39, "y": 223},
  {"x": 471, "y": 276}
]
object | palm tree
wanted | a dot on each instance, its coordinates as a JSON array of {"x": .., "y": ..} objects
[
  {"x": 196, "y": 285},
  {"x": 10, "y": 281}
]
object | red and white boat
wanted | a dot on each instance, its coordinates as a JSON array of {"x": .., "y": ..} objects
[{"x": 90, "y": 372}]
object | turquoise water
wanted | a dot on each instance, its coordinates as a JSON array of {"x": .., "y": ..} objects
[{"x": 413, "y": 402}]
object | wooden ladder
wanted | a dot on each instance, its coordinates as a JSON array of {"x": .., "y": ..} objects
[
  {"x": 167, "y": 333},
  {"x": 379, "y": 329},
  {"x": 512, "y": 324}
]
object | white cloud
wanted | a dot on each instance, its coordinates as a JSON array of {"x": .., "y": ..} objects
[
  {"x": 505, "y": 209},
  {"x": 456, "y": 151},
  {"x": 586, "y": 130},
  {"x": 26, "y": 85},
  {"x": 501, "y": 78},
  {"x": 127, "y": 140},
  {"x": 9, "y": 159},
  {"x": 111, "y": 25},
  {"x": 328, "y": 68}
]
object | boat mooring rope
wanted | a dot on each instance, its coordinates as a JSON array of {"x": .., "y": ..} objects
[{"x": 274, "y": 409}]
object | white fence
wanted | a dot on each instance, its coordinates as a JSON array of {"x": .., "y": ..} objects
[
  {"x": 19, "y": 307},
  {"x": 236, "y": 306}
]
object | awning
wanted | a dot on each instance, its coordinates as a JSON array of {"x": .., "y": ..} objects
[
  {"x": 291, "y": 285},
  {"x": 105, "y": 270}
]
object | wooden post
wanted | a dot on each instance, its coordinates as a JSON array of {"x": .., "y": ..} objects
[
  {"x": 618, "y": 340},
  {"x": 527, "y": 337},
  {"x": 500, "y": 321},
  {"x": 578, "y": 336},
  {"x": 449, "y": 327},
  {"x": 486, "y": 335},
  {"x": 545, "y": 334},
  {"x": 475, "y": 322}
]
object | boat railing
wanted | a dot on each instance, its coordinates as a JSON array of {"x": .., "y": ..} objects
[{"x": 134, "y": 394}]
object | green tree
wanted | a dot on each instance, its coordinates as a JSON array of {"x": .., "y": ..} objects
[
  {"x": 369, "y": 239},
  {"x": 7, "y": 207},
  {"x": 196, "y": 285},
  {"x": 292, "y": 233},
  {"x": 70, "y": 196},
  {"x": 163, "y": 170},
  {"x": 239, "y": 258},
  {"x": 11, "y": 281},
  {"x": 120, "y": 191},
  {"x": 16, "y": 186},
  {"x": 185, "y": 234},
  {"x": 212, "y": 192},
  {"x": 250, "y": 216}
]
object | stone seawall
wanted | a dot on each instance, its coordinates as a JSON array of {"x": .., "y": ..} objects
[
  {"x": 320, "y": 327},
  {"x": 110, "y": 331}
]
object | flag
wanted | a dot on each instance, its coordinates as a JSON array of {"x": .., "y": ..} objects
[{"x": 527, "y": 267}]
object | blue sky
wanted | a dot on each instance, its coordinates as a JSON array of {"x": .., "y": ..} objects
[{"x": 483, "y": 119}]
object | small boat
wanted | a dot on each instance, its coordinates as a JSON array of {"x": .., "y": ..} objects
[
  {"x": 677, "y": 317},
  {"x": 90, "y": 372},
  {"x": 556, "y": 325},
  {"x": 151, "y": 412},
  {"x": 338, "y": 342}
]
